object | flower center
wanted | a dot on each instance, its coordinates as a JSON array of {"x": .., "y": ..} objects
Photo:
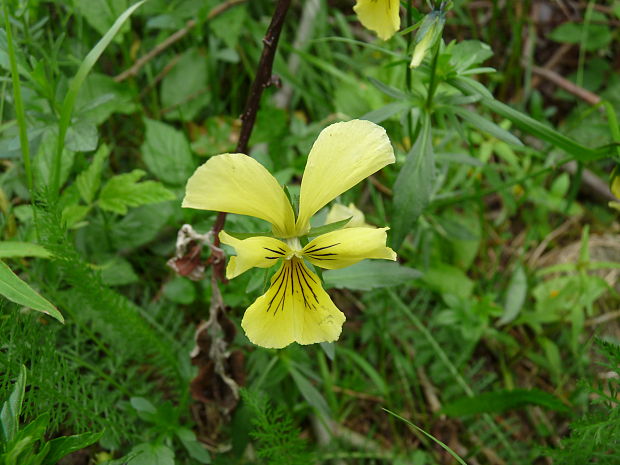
[{"x": 296, "y": 248}]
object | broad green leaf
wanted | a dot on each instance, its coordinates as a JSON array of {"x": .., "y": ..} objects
[
  {"x": 63, "y": 446},
  {"x": 44, "y": 160},
  {"x": 82, "y": 136},
  {"x": 480, "y": 123},
  {"x": 166, "y": 153},
  {"x": 141, "y": 225},
  {"x": 118, "y": 272},
  {"x": 448, "y": 279},
  {"x": 467, "y": 53},
  {"x": 124, "y": 191},
  {"x": 591, "y": 36},
  {"x": 185, "y": 87},
  {"x": 500, "y": 401},
  {"x": 414, "y": 185},
  {"x": 180, "y": 290},
  {"x": 101, "y": 14},
  {"x": 18, "y": 291},
  {"x": 22, "y": 249},
  {"x": 151, "y": 454},
  {"x": 89, "y": 180},
  {"x": 195, "y": 449},
  {"x": 12, "y": 407},
  {"x": 100, "y": 96},
  {"x": 515, "y": 296},
  {"x": 370, "y": 274}
]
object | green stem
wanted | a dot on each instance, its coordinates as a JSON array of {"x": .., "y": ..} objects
[
  {"x": 19, "y": 103},
  {"x": 408, "y": 73}
]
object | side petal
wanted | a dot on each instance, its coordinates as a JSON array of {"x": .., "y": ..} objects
[
  {"x": 259, "y": 251},
  {"x": 345, "y": 247},
  {"x": 236, "y": 183},
  {"x": 380, "y": 16},
  {"x": 295, "y": 308},
  {"x": 343, "y": 155}
]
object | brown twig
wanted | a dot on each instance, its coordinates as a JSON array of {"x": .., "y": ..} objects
[
  {"x": 567, "y": 85},
  {"x": 262, "y": 80},
  {"x": 140, "y": 62}
]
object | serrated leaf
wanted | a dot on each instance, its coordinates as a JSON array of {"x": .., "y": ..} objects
[
  {"x": 101, "y": 14},
  {"x": 414, "y": 185},
  {"x": 82, "y": 136},
  {"x": 500, "y": 401},
  {"x": 184, "y": 87},
  {"x": 124, "y": 191},
  {"x": 89, "y": 180},
  {"x": 16, "y": 290},
  {"x": 22, "y": 249},
  {"x": 166, "y": 153},
  {"x": 370, "y": 274}
]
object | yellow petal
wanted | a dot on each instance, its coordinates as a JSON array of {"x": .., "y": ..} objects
[
  {"x": 345, "y": 247},
  {"x": 339, "y": 212},
  {"x": 343, "y": 155},
  {"x": 236, "y": 183},
  {"x": 259, "y": 251},
  {"x": 380, "y": 16},
  {"x": 295, "y": 308}
]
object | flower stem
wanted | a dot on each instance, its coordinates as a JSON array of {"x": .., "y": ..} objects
[{"x": 262, "y": 80}]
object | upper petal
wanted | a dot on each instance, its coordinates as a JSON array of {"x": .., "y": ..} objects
[
  {"x": 380, "y": 16},
  {"x": 295, "y": 308},
  {"x": 236, "y": 183},
  {"x": 343, "y": 155},
  {"x": 259, "y": 251},
  {"x": 345, "y": 247}
]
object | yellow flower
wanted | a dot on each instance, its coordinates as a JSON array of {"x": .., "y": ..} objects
[
  {"x": 380, "y": 16},
  {"x": 296, "y": 308}
]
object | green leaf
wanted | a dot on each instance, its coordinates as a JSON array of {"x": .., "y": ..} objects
[
  {"x": 63, "y": 446},
  {"x": 485, "y": 125},
  {"x": 89, "y": 180},
  {"x": 528, "y": 124},
  {"x": 118, "y": 272},
  {"x": 151, "y": 454},
  {"x": 430, "y": 436},
  {"x": 515, "y": 296},
  {"x": 467, "y": 53},
  {"x": 195, "y": 449},
  {"x": 447, "y": 279},
  {"x": 44, "y": 160},
  {"x": 185, "y": 87},
  {"x": 387, "y": 111},
  {"x": 180, "y": 290},
  {"x": 367, "y": 368},
  {"x": 12, "y": 407},
  {"x": 22, "y": 249},
  {"x": 74, "y": 87},
  {"x": 309, "y": 392},
  {"x": 370, "y": 274},
  {"x": 166, "y": 153},
  {"x": 124, "y": 191},
  {"x": 500, "y": 401},
  {"x": 82, "y": 136},
  {"x": 18, "y": 291},
  {"x": 414, "y": 185},
  {"x": 101, "y": 14},
  {"x": 590, "y": 36},
  {"x": 320, "y": 230}
]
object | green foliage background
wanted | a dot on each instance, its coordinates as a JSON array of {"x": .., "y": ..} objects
[{"x": 481, "y": 335}]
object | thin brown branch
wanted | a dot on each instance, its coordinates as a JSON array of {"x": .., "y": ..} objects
[
  {"x": 578, "y": 91},
  {"x": 178, "y": 35}
]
